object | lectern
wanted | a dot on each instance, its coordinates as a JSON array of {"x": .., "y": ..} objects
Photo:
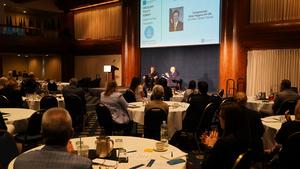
[{"x": 110, "y": 69}]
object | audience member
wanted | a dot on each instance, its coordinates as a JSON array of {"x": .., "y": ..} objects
[
  {"x": 254, "y": 124},
  {"x": 286, "y": 93},
  {"x": 167, "y": 90},
  {"x": 116, "y": 103},
  {"x": 72, "y": 89},
  {"x": 198, "y": 102},
  {"x": 223, "y": 151},
  {"x": 57, "y": 131},
  {"x": 191, "y": 90},
  {"x": 289, "y": 127},
  {"x": 29, "y": 85},
  {"x": 135, "y": 93},
  {"x": 157, "y": 99},
  {"x": 11, "y": 92}
]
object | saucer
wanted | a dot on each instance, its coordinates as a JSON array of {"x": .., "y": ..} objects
[{"x": 162, "y": 150}]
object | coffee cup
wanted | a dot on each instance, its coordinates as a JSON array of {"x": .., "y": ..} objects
[{"x": 160, "y": 146}]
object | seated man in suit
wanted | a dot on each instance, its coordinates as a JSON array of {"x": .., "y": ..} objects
[
  {"x": 173, "y": 78},
  {"x": 57, "y": 131},
  {"x": 285, "y": 94},
  {"x": 72, "y": 89},
  {"x": 198, "y": 102}
]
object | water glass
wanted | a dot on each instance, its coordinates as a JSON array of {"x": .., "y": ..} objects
[{"x": 82, "y": 149}]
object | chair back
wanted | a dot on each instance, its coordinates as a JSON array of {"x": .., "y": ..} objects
[
  {"x": 4, "y": 102},
  {"x": 289, "y": 152},
  {"x": 207, "y": 117},
  {"x": 129, "y": 96},
  {"x": 243, "y": 161},
  {"x": 104, "y": 118},
  {"x": 48, "y": 102},
  {"x": 75, "y": 107},
  {"x": 52, "y": 86},
  {"x": 35, "y": 123},
  {"x": 288, "y": 105},
  {"x": 2, "y": 123},
  {"x": 152, "y": 121},
  {"x": 8, "y": 148}
]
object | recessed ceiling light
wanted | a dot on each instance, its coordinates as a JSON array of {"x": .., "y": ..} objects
[
  {"x": 24, "y": 11},
  {"x": 4, "y": 4},
  {"x": 46, "y": 55},
  {"x": 26, "y": 56},
  {"x": 19, "y": 54}
]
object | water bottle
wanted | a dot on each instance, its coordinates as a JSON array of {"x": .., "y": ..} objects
[{"x": 164, "y": 133}]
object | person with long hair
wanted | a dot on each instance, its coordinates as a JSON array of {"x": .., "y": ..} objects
[
  {"x": 135, "y": 93},
  {"x": 235, "y": 138},
  {"x": 116, "y": 103}
]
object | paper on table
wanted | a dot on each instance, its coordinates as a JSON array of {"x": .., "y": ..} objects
[
  {"x": 173, "y": 155},
  {"x": 105, "y": 162}
]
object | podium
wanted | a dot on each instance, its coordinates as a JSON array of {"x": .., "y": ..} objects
[{"x": 110, "y": 72}]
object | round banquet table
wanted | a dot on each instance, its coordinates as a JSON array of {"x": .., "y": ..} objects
[
  {"x": 16, "y": 117},
  {"x": 175, "y": 117},
  {"x": 143, "y": 153},
  {"x": 272, "y": 124},
  {"x": 260, "y": 105},
  {"x": 34, "y": 102}
]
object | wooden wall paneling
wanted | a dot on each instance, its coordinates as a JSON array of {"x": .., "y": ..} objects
[
  {"x": 130, "y": 41},
  {"x": 233, "y": 60}
]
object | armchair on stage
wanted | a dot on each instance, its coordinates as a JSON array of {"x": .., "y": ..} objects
[{"x": 110, "y": 72}]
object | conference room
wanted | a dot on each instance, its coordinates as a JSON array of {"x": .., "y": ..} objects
[{"x": 149, "y": 83}]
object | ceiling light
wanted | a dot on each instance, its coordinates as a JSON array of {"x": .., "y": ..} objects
[
  {"x": 24, "y": 11},
  {"x": 4, "y": 4}
]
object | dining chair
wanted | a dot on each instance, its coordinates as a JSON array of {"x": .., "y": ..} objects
[
  {"x": 153, "y": 119},
  {"x": 32, "y": 136},
  {"x": 75, "y": 107},
  {"x": 4, "y": 102},
  {"x": 105, "y": 120},
  {"x": 48, "y": 102},
  {"x": 289, "y": 152},
  {"x": 288, "y": 105},
  {"x": 243, "y": 161}
]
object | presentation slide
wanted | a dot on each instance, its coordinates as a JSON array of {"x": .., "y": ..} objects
[{"x": 179, "y": 22}]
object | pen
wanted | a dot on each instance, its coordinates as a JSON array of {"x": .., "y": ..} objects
[
  {"x": 132, "y": 151},
  {"x": 171, "y": 153},
  {"x": 137, "y": 166}
]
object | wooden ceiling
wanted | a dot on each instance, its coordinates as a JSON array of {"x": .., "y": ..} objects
[{"x": 66, "y": 5}]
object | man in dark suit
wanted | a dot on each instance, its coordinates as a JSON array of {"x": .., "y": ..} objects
[
  {"x": 72, "y": 89},
  {"x": 175, "y": 24},
  {"x": 198, "y": 102},
  {"x": 57, "y": 131},
  {"x": 286, "y": 93}
]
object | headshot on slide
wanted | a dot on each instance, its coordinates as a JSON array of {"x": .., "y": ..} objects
[{"x": 176, "y": 19}]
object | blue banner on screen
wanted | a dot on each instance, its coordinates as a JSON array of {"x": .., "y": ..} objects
[{"x": 179, "y": 22}]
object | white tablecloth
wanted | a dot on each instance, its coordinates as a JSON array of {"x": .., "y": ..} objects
[
  {"x": 16, "y": 117},
  {"x": 272, "y": 124},
  {"x": 259, "y": 105},
  {"x": 34, "y": 102},
  {"x": 175, "y": 117},
  {"x": 138, "y": 157}
]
